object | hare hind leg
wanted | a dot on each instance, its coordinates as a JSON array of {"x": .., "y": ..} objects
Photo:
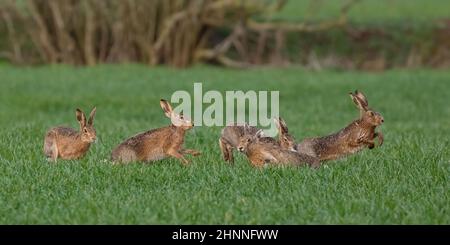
[
  {"x": 50, "y": 149},
  {"x": 124, "y": 155}
]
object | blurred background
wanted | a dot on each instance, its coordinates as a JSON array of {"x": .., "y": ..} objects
[{"x": 369, "y": 35}]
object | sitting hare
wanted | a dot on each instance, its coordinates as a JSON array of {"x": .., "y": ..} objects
[
  {"x": 351, "y": 139},
  {"x": 67, "y": 143},
  {"x": 232, "y": 134},
  {"x": 157, "y": 143},
  {"x": 261, "y": 153}
]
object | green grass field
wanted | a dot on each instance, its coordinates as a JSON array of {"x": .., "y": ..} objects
[{"x": 406, "y": 181}]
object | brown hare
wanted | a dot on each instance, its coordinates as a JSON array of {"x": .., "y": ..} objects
[
  {"x": 67, "y": 143},
  {"x": 351, "y": 139},
  {"x": 230, "y": 138},
  {"x": 157, "y": 143},
  {"x": 262, "y": 153},
  {"x": 232, "y": 134}
]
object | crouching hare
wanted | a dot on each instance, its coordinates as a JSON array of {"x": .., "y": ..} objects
[
  {"x": 67, "y": 143},
  {"x": 351, "y": 139},
  {"x": 262, "y": 153},
  {"x": 232, "y": 134},
  {"x": 157, "y": 143}
]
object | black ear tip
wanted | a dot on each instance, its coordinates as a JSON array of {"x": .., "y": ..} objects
[
  {"x": 163, "y": 100},
  {"x": 78, "y": 110}
]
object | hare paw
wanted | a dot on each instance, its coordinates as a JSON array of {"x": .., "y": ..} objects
[
  {"x": 196, "y": 153},
  {"x": 184, "y": 161}
]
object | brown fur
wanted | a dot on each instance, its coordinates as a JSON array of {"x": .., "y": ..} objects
[
  {"x": 285, "y": 140},
  {"x": 351, "y": 139},
  {"x": 261, "y": 153},
  {"x": 67, "y": 143},
  {"x": 231, "y": 136},
  {"x": 157, "y": 143}
]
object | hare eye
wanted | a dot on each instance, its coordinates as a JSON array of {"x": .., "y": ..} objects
[
  {"x": 248, "y": 140},
  {"x": 85, "y": 130}
]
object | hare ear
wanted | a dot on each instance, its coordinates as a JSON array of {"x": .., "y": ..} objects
[
  {"x": 246, "y": 127},
  {"x": 281, "y": 125},
  {"x": 81, "y": 117},
  {"x": 277, "y": 122},
  {"x": 362, "y": 98},
  {"x": 358, "y": 102},
  {"x": 91, "y": 116},
  {"x": 167, "y": 108}
]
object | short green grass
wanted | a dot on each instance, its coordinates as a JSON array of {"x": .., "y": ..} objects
[
  {"x": 406, "y": 181},
  {"x": 367, "y": 11}
]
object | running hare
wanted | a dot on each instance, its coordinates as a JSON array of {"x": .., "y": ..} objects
[
  {"x": 67, "y": 143},
  {"x": 351, "y": 139},
  {"x": 157, "y": 143},
  {"x": 261, "y": 153}
]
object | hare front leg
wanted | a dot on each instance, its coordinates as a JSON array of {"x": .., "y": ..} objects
[
  {"x": 226, "y": 153},
  {"x": 178, "y": 155},
  {"x": 380, "y": 138},
  {"x": 368, "y": 143},
  {"x": 191, "y": 152}
]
